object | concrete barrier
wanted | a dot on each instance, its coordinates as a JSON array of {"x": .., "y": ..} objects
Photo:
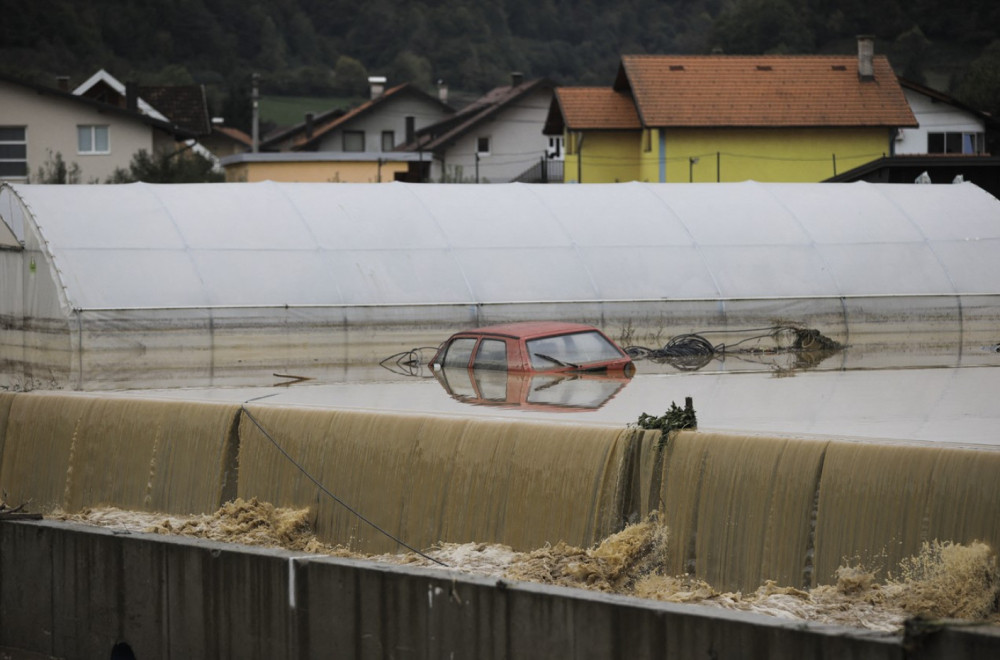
[{"x": 75, "y": 591}]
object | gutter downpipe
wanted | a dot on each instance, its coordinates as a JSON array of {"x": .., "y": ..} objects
[
  {"x": 663, "y": 155},
  {"x": 579, "y": 156}
]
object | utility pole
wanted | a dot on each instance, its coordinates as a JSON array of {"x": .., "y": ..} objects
[{"x": 255, "y": 99}]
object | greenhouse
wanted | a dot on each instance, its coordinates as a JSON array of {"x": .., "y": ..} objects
[{"x": 177, "y": 282}]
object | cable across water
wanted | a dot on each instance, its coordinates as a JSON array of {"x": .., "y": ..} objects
[{"x": 327, "y": 492}]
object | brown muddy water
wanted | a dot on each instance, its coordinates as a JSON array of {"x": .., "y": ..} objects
[{"x": 850, "y": 496}]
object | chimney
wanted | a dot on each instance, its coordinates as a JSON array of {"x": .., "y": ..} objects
[
  {"x": 516, "y": 78},
  {"x": 309, "y": 125},
  {"x": 866, "y": 56},
  {"x": 442, "y": 91},
  {"x": 377, "y": 85},
  {"x": 132, "y": 96},
  {"x": 62, "y": 83}
]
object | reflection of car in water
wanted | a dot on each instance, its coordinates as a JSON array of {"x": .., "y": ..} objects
[
  {"x": 542, "y": 365},
  {"x": 534, "y": 346},
  {"x": 553, "y": 392}
]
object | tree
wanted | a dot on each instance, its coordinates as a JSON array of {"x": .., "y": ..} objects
[
  {"x": 909, "y": 54},
  {"x": 184, "y": 166},
  {"x": 980, "y": 86},
  {"x": 350, "y": 77},
  {"x": 237, "y": 107},
  {"x": 407, "y": 67},
  {"x": 55, "y": 170},
  {"x": 755, "y": 27}
]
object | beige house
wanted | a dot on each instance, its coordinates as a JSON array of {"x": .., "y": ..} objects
[{"x": 40, "y": 124}]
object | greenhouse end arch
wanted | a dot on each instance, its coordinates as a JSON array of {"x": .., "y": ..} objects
[{"x": 200, "y": 281}]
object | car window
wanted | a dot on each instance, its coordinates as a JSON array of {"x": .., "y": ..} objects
[
  {"x": 492, "y": 354},
  {"x": 459, "y": 352},
  {"x": 571, "y": 349}
]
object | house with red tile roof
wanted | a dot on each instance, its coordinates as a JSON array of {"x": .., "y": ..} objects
[{"x": 714, "y": 118}]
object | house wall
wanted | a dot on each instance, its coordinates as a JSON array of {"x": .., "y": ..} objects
[
  {"x": 315, "y": 172},
  {"x": 791, "y": 154},
  {"x": 934, "y": 117},
  {"x": 516, "y": 144},
  {"x": 608, "y": 157},
  {"x": 51, "y": 125},
  {"x": 390, "y": 115}
]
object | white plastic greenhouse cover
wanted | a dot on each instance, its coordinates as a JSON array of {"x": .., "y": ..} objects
[{"x": 142, "y": 245}]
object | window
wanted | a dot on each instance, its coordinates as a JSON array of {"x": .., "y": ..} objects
[
  {"x": 93, "y": 139},
  {"x": 492, "y": 354},
  {"x": 388, "y": 140},
  {"x": 460, "y": 352},
  {"x": 483, "y": 146},
  {"x": 13, "y": 152},
  {"x": 555, "y": 149},
  {"x": 955, "y": 143},
  {"x": 354, "y": 140}
]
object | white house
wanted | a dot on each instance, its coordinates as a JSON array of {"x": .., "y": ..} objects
[
  {"x": 365, "y": 135},
  {"x": 40, "y": 125},
  {"x": 496, "y": 138},
  {"x": 946, "y": 125}
]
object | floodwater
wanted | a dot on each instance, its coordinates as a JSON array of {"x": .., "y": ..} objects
[
  {"x": 901, "y": 429},
  {"x": 937, "y": 403}
]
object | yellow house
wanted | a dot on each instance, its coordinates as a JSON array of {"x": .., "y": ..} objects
[
  {"x": 320, "y": 167},
  {"x": 731, "y": 118}
]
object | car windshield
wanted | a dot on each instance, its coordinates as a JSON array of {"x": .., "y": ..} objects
[{"x": 574, "y": 349}]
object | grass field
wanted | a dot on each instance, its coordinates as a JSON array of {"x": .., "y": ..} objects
[{"x": 291, "y": 110}]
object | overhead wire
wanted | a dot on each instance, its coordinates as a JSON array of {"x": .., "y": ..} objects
[{"x": 328, "y": 493}]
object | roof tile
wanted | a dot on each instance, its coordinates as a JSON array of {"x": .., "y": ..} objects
[
  {"x": 770, "y": 90},
  {"x": 597, "y": 108}
]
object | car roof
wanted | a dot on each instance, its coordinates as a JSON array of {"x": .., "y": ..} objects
[{"x": 525, "y": 329}]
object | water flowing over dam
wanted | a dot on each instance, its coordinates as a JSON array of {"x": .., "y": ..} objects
[{"x": 741, "y": 509}]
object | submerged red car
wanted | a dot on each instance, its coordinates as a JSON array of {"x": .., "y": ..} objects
[{"x": 534, "y": 346}]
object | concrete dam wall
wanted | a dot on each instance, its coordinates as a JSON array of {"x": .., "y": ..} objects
[{"x": 740, "y": 509}]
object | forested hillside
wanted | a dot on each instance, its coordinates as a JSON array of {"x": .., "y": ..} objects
[{"x": 328, "y": 47}]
